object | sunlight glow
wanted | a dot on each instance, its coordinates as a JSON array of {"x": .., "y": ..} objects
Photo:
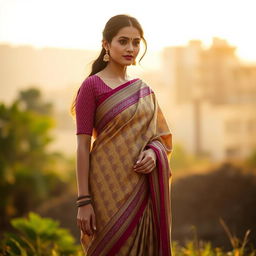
[{"x": 79, "y": 23}]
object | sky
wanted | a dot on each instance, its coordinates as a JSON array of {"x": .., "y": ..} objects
[{"x": 79, "y": 23}]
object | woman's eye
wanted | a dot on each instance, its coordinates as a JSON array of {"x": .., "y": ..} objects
[
  {"x": 122, "y": 41},
  {"x": 136, "y": 43}
]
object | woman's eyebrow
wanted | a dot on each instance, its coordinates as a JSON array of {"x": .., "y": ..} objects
[{"x": 136, "y": 38}]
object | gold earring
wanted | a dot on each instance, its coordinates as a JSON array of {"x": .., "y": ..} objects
[
  {"x": 106, "y": 56},
  {"x": 134, "y": 62}
]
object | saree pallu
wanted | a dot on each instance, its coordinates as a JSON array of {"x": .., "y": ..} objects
[{"x": 133, "y": 210}]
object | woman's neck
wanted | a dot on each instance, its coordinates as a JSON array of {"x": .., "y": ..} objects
[{"x": 113, "y": 71}]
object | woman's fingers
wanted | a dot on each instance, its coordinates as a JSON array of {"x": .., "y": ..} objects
[
  {"x": 93, "y": 222},
  {"x": 151, "y": 169},
  {"x": 146, "y": 168},
  {"x": 143, "y": 167},
  {"x": 80, "y": 225},
  {"x": 84, "y": 225},
  {"x": 87, "y": 227},
  {"x": 86, "y": 220},
  {"x": 144, "y": 163},
  {"x": 141, "y": 156}
]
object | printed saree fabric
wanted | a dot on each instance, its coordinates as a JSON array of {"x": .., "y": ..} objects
[{"x": 133, "y": 210}]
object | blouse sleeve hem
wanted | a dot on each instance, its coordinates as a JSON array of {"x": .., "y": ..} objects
[{"x": 88, "y": 133}]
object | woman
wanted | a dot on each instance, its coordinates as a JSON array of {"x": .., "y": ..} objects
[{"x": 123, "y": 179}]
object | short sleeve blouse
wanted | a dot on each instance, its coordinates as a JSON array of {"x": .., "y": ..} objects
[
  {"x": 85, "y": 108},
  {"x": 92, "y": 92}
]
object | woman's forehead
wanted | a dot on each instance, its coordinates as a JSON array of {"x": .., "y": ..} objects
[{"x": 129, "y": 32}]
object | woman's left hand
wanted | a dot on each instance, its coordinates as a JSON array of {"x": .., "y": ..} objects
[{"x": 146, "y": 161}]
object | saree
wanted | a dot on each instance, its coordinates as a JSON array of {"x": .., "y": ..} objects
[{"x": 132, "y": 210}]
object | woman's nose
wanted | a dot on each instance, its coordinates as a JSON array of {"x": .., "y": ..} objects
[{"x": 130, "y": 46}]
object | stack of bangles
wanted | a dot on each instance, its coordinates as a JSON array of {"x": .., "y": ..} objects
[{"x": 86, "y": 201}]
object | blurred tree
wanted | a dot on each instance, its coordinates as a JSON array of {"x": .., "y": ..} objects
[
  {"x": 26, "y": 168},
  {"x": 31, "y": 99},
  {"x": 251, "y": 160},
  {"x": 181, "y": 159}
]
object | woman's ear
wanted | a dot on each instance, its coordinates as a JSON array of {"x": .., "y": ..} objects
[{"x": 105, "y": 44}]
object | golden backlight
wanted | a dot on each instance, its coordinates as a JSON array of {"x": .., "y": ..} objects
[{"x": 78, "y": 24}]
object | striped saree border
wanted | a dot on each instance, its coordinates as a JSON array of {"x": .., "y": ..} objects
[
  {"x": 121, "y": 225},
  {"x": 154, "y": 188},
  {"x": 107, "y": 103},
  {"x": 106, "y": 95},
  {"x": 159, "y": 186},
  {"x": 117, "y": 98},
  {"x": 129, "y": 229},
  {"x": 122, "y": 105}
]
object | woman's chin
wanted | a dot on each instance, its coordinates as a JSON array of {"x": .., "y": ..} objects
[{"x": 125, "y": 64}]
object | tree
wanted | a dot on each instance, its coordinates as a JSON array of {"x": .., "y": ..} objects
[
  {"x": 26, "y": 168},
  {"x": 31, "y": 99}
]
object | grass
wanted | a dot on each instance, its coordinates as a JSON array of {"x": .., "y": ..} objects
[{"x": 196, "y": 247}]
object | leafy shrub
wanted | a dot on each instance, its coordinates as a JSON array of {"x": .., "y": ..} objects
[
  {"x": 39, "y": 236},
  {"x": 25, "y": 134}
]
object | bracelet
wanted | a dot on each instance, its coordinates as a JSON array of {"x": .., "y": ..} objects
[
  {"x": 83, "y": 196},
  {"x": 82, "y": 203}
]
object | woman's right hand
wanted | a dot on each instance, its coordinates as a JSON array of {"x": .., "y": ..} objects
[{"x": 86, "y": 220}]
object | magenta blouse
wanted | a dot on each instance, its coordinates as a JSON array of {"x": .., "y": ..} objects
[{"x": 91, "y": 93}]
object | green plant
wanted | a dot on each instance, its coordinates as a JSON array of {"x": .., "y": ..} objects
[
  {"x": 239, "y": 247},
  {"x": 25, "y": 134},
  {"x": 198, "y": 247},
  {"x": 39, "y": 236}
]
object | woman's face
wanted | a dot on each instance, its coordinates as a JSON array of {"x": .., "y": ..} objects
[{"x": 125, "y": 46}]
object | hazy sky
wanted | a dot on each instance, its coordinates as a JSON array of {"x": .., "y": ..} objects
[{"x": 79, "y": 23}]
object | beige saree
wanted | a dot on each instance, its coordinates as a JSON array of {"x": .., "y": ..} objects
[{"x": 133, "y": 211}]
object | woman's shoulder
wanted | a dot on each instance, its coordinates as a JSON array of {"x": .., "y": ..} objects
[
  {"x": 147, "y": 84},
  {"x": 89, "y": 81},
  {"x": 87, "y": 87}
]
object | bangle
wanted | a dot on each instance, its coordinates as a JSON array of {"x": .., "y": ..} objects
[
  {"x": 83, "y": 196},
  {"x": 85, "y": 202}
]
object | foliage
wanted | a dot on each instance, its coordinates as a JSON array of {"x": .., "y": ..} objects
[
  {"x": 27, "y": 175},
  {"x": 200, "y": 199},
  {"x": 39, "y": 236},
  {"x": 251, "y": 160},
  {"x": 198, "y": 247},
  {"x": 31, "y": 99},
  {"x": 182, "y": 160}
]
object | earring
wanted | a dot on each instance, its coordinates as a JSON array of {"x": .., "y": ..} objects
[
  {"x": 106, "y": 56},
  {"x": 134, "y": 62}
]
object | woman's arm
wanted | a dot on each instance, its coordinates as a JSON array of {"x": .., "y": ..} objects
[
  {"x": 82, "y": 164},
  {"x": 85, "y": 217}
]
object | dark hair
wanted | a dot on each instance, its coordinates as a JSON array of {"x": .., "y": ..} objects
[{"x": 111, "y": 29}]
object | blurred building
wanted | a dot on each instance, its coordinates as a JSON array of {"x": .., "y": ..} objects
[{"x": 212, "y": 99}]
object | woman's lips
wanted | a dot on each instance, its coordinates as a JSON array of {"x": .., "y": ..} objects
[{"x": 128, "y": 57}]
